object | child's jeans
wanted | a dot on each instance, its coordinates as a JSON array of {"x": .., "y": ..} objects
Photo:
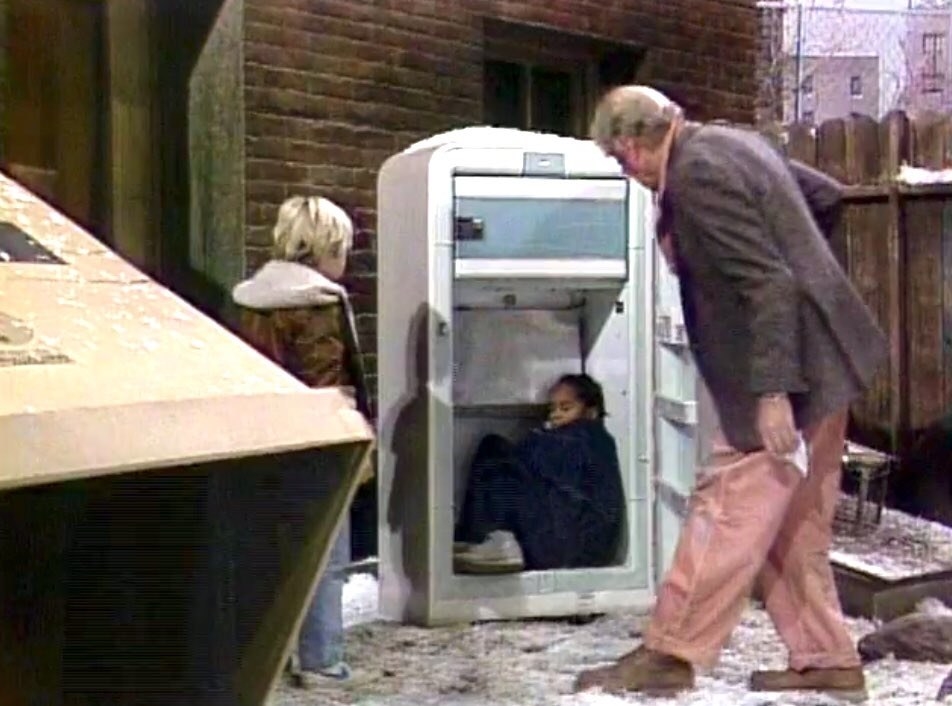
[{"x": 321, "y": 643}]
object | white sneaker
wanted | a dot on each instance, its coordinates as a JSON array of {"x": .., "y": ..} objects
[
  {"x": 337, "y": 675},
  {"x": 499, "y": 553}
]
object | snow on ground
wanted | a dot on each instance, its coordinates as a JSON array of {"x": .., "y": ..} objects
[
  {"x": 902, "y": 546},
  {"x": 360, "y": 600},
  {"x": 533, "y": 663}
]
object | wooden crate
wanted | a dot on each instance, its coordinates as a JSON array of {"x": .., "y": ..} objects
[{"x": 866, "y": 596}]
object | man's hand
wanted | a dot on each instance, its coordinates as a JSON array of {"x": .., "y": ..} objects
[{"x": 775, "y": 424}]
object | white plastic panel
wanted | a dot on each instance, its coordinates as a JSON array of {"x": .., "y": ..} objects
[
  {"x": 512, "y": 356},
  {"x": 676, "y": 415},
  {"x": 539, "y": 268},
  {"x": 536, "y": 218},
  {"x": 541, "y": 188},
  {"x": 677, "y": 411}
]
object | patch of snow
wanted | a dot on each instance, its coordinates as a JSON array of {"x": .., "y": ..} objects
[
  {"x": 64, "y": 301},
  {"x": 902, "y": 546},
  {"x": 534, "y": 663},
  {"x": 921, "y": 175},
  {"x": 859, "y": 564},
  {"x": 360, "y": 600},
  {"x": 488, "y": 136},
  {"x": 933, "y": 606}
]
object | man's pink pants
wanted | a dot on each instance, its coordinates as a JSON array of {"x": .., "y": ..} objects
[{"x": 753, "y": 516}]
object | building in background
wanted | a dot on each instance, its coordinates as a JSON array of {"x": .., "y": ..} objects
[
  {"x": 838, "y": 85},
  {"x": 829, "y": 60},
  {"x": 822, "y": 60},
  {"x": 928, "y": 67}
]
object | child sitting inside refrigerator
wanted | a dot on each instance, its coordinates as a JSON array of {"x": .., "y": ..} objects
[{"x": 551, "y": 500}]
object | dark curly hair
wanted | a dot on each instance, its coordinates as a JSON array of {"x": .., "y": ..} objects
[{"x": 586, "y": 389}]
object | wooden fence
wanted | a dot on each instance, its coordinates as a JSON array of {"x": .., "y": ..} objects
[{"x": 896, "y": 244}]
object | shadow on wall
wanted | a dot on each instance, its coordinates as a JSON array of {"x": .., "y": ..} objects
[
  {"x": 358, "y": 279},
  {"x": 209, "y": 297},
  {"x": 409, "y": 444}
]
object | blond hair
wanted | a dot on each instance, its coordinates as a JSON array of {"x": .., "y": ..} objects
[
  {"x": 309, "y": 228},
  {"x": 638, "y": 112}
]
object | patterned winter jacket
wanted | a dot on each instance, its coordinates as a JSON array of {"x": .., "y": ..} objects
[{"x": 303, "y": 321}]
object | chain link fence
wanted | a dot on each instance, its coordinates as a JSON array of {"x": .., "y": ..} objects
[{"x": 823, "y": 60}]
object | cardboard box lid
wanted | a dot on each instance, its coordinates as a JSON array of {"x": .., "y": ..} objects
[{"x": 103, "y": 370}]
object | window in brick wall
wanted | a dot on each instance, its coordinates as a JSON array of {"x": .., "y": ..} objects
[
  {"x": 529, "y": 97},
  {"x": 535, "y": 79},
  {"x": 503, "y": 90},
  {"x": 551, "y": 100}
]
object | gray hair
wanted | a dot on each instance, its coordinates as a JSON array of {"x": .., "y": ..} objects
[
  {"x": 635, "y": 112},
  {"x": 309, "y": 228}
]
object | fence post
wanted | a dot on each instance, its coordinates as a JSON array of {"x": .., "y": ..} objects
[
  {"x": 925, "y": 308},
  {"x": 897, "y": 145},
  {"x": 801, "y": 144},
  {"x": 798, "y": 87}
]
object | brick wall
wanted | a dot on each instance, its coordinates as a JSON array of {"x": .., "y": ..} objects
[{"x": 333, "y": 87}]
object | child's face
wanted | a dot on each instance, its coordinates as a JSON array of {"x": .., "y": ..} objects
[{"x": 565, "y": 407}]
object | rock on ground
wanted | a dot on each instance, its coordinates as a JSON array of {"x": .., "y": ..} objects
[{"x": 918, "y": 637}]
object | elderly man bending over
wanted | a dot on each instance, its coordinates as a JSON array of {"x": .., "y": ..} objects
[{"x": 784, "y": 344}]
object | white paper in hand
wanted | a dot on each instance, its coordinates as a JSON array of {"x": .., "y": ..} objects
[{"x": 800, "y": 457}]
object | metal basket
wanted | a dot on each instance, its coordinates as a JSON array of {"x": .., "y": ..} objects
[{"x": 869, "y": 470}]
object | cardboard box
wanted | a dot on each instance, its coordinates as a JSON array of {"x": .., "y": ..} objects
[{"x": 167, "y": 495}]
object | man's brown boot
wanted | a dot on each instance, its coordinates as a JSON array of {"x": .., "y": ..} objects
[
  {"x": 642, "y": 670},
  {"x": 849, "y": 684}
]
